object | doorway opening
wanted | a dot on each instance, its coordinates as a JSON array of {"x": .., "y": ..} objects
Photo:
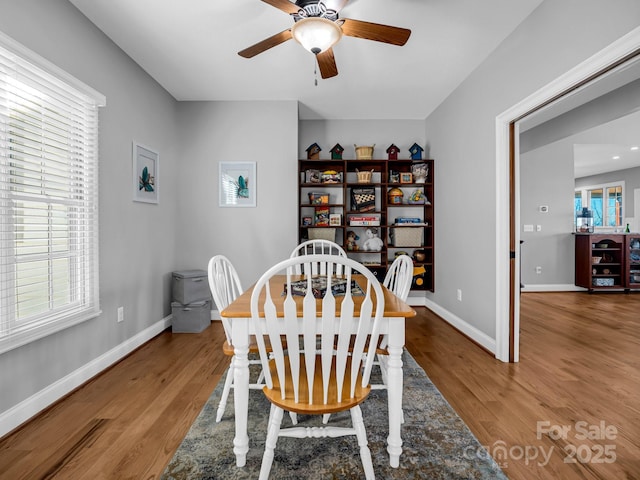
[{"x": 616, "y": 55}]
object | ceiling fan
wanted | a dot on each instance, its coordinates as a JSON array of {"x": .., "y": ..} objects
[{"x": 318, "y": 27}]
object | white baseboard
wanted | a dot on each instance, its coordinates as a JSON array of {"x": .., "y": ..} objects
[
  {"x": 469, "y": 330},
  {"x": 417, "y": 300},
  {"x": 552, "y": 288},
  {"x": 20, "y": 413}
]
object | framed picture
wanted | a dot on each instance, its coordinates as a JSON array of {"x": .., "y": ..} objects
[
  {"x": 145, "y": 174},
  {"x": 335, "y": 219},
  {"x": 238, "y": 183},
  {"x": 406, "y": 177}
]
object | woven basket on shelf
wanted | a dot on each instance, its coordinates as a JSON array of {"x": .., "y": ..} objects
[
  {"x": 322, "y": 233},
  {"x": 364, "y": 177},
  {"x": 407, "y": 236},
  {"x": 364, "y": 152}
]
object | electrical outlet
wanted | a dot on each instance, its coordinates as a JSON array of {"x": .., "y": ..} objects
[
  {"x": 538, "y": 270},
  {"x": 120, "y": 314},
  {"x": 459, "y": 295}
]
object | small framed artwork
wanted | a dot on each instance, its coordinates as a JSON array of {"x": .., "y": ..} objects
[
  {"x": 335, "y": 219},
  {"x": 306, "y": 221},
  {"x": 145, "y": 174},
  {"x": 406, "y": 177},
  {"x": 237, "y": 184}
]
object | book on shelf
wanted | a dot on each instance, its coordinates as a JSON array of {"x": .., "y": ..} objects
[
  {"x": 321, "y": 218},
  {"x": 364, "y": 221},
  {"x": 400, "y": 220}
]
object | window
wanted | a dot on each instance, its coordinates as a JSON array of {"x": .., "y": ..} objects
[
  {"x": 605, "y": 202},
  {"x": 48, "y": 198}
]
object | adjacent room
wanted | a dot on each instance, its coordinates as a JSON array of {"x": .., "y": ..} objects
[{"x": 139, "y": 140}]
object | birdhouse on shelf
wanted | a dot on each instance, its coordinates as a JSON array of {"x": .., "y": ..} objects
[
  {"x": 416, "y": 152},
  {"x": 313, "y": 151},
  {"x": 393, "y": 152},
  {"x": 336, "y": 152}
]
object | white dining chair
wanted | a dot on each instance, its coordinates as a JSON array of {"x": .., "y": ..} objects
[
  {"x": 399, "y": 277},
  {"x": 225, "y": 288},
  {"x": 317, "y": 247},
  {"x": 397, "y": 280},
  {"x": 311, "y": 376}
]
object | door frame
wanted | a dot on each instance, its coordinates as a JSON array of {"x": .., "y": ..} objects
[{"x": 508, "y": 189}]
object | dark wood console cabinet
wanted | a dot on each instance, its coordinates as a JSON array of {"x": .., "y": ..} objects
[{"x": 607, "y": 261}]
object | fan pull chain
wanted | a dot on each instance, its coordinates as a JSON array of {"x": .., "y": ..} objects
[{"x": 315, "y": 71}]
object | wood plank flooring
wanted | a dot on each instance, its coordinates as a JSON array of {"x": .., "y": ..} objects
[{"x": 578, "y": 371}]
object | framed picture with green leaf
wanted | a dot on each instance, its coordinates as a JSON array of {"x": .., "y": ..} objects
[
  {"x": 145, "y": 174},
  {"x": 237, "y": 184}
]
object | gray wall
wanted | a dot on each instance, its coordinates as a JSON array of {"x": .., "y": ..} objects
[
  {"x": 137, "y": 240},
  {"x": 252, "y": 238},
  {"x": 547, "y": 178},
  {"x": 348, "y": 133},
  {"x": 557, "y": 36}
]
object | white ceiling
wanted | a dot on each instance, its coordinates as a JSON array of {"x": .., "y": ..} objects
[
  {"x": 594, "y": 159},
  {"x": 190, "y": 48},
  {"x": 597, "y": 158}
]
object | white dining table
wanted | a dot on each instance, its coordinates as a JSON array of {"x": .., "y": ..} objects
[{"x": 393, "y": 325}]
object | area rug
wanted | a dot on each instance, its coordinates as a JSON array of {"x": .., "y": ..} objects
[{"x": 436, "y": 442}]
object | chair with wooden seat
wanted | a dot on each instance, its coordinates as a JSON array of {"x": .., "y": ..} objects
[
  {"x": 225, "y": 288},
  {"x": 317, "y": 247},
  {"x": 317, "y": 374}
]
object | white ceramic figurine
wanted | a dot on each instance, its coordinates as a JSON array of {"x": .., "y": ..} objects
[{"x": 373, "y": 243}]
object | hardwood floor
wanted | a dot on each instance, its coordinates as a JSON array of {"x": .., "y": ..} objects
[
  {"x": 579, "y": 360},
  {"x": 578, "y": 370}
]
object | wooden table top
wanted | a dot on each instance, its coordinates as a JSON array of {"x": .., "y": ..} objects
[{"x": 241, "y": 307}]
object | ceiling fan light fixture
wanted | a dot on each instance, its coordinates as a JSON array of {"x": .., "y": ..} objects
[{"x": 316, "y": 34}]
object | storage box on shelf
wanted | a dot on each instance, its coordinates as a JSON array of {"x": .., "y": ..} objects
[
  {"x": 191, "y": 301},
  {"x": 358, "y": 196}
]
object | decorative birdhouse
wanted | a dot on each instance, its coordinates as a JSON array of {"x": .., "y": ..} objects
[
  {"x": 336, "y": 152},
  {"x": 313, "y": 152},
  {"x": 393, "y": 152},
  {"x": 416, "y": 151}
]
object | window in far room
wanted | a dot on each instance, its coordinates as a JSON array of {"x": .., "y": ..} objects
[{"x": 606, "y": 203}]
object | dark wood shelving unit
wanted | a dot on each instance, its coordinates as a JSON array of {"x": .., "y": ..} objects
[{"x": 418, "y": 241}]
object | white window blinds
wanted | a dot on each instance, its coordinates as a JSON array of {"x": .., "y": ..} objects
[{"x": 48, "y": 198}]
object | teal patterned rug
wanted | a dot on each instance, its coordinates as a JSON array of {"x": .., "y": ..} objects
[{"x": 436, "y": 442}]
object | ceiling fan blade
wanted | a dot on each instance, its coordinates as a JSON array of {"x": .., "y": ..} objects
[
  {"x": 266, "y": 44},
  {"x": 327, "y": 64},
  {"x": 375, "y": 31},
  {"x": 285, "y": 5},
  {"x": 335, "y": 5}
]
